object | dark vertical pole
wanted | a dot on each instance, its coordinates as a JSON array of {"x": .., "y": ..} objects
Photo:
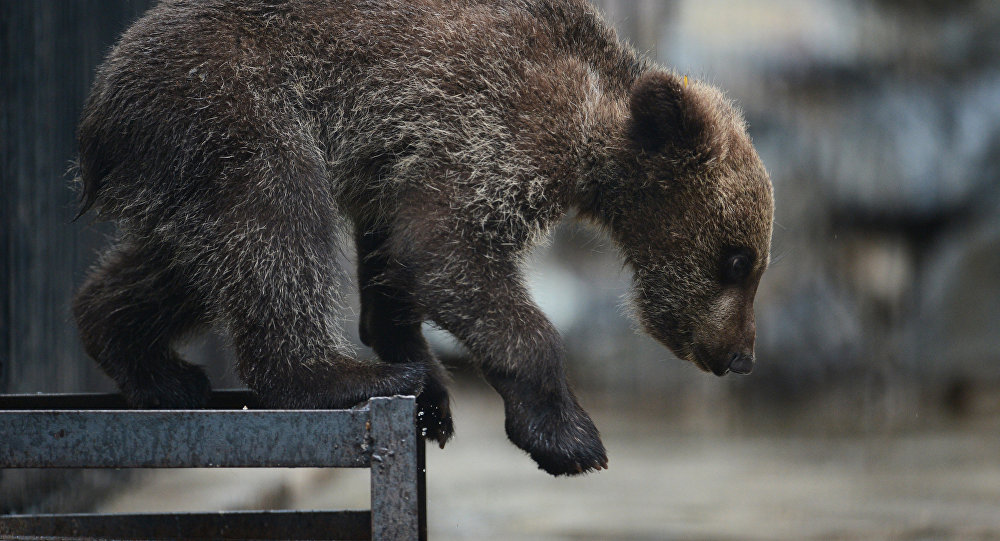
[
  {"x": 50, "y": 52},
  {"x": 394, "y": 470},
  {"x": 422, "y": 484},
  {"x": 6, "y": 174}
]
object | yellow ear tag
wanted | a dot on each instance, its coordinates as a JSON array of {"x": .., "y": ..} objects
[{"x": 685, "y": 81}]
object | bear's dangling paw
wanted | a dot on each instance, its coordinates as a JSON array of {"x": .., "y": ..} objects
[{"x": 561, "y": 439}]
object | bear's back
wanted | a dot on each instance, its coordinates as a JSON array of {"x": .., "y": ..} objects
[{"x": 193, "y": 84}]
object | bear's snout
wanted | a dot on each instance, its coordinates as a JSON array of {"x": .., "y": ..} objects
[
  {"x": 737, "y": 363},
  {"x": 725, "y": 342},
  {"x": 741, "y": 363}
]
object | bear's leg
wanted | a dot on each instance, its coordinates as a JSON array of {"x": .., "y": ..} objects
[
  {"x": 279, "y": 294},
  {"x": 390, "y": 324},
  {"x": 521, "y": 356},
  {"x": 128, "y": 312},
  {"x": 479, "y": 296}
]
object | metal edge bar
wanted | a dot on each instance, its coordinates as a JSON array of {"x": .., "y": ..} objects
[
  {"x": 183, "y": 438},
  {"x": 219, "y": 399},
  {"x": 342, "y": 525}
]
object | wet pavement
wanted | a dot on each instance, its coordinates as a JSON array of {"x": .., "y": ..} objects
[{"x": 666, "y": 481}]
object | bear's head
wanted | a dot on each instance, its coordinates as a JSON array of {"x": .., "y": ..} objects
[{"x": 693, "y": 217}]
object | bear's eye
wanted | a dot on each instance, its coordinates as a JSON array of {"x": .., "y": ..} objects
[{"x": 736, "y": 268}]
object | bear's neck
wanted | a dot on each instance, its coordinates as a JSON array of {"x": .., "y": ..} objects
[{"x": 605, "y": 160}]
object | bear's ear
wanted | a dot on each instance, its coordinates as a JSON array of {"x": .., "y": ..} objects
[{"x": 665, "y": 112}]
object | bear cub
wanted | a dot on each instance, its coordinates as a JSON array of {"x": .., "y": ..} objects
[{"x": 234, "y": 142}]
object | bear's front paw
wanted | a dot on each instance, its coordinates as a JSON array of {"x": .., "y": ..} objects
[
  {"x": 561, "y": 439},
  {"x": 399, "y": 379},
  {"x": 434, "y": 412}
]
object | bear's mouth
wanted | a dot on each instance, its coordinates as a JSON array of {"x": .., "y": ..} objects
[
  {"x": 699, "y": 357},
  {"x": 687, "y": 349},
  {"x": 718, "y": 371}
]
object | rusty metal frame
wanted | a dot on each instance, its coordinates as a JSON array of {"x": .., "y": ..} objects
[{"x": 97, "y": 431}]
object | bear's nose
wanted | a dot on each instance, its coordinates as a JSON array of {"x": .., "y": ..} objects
[{"x": 741, "y": 363}]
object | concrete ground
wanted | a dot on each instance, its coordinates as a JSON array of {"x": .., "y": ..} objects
[{"x": 665, "y": 482}]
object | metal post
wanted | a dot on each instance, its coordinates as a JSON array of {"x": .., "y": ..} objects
[{"x": 395, "y": 472}]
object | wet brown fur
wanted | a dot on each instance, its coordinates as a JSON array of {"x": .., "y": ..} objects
[{"x": 234, "y": 142}]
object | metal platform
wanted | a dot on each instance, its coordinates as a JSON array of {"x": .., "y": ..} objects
[{"x": 97, "y": 431}]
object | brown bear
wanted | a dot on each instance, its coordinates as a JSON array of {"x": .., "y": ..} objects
[{"x": 235, "y": 141}]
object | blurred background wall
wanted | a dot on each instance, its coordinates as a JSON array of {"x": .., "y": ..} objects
[{"x": 878, "y": 120}]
